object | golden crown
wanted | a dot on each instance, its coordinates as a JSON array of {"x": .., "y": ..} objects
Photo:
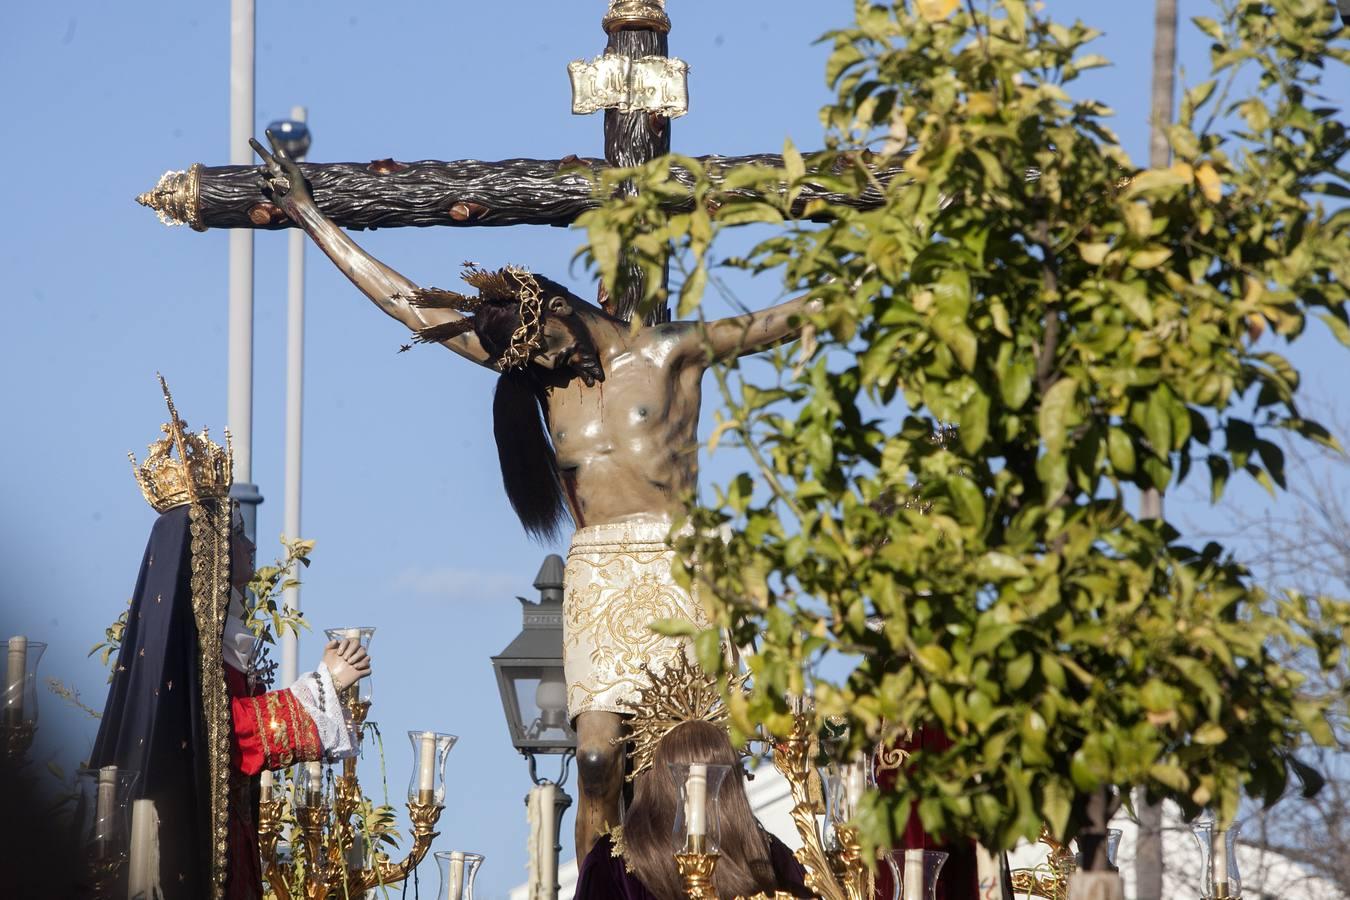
[
  {"x": 202, "y": 470},
  {"x": 680, "y": 692}
]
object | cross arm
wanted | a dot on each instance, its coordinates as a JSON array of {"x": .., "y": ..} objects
[{"x": 390, "y": 194}]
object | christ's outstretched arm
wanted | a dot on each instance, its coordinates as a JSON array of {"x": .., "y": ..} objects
[
  {"x": 389, "y": 290},
  {"x": 723, "y": 339}
]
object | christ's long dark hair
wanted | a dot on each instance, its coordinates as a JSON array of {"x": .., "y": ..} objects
[
  {"x": 745, "y": 866},
  {"x": 520, "y": 425}
]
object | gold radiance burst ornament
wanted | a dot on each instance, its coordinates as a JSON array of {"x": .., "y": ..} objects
[
  {"x": 202, "y": 470},
  {"x": 681, "y": 692}
]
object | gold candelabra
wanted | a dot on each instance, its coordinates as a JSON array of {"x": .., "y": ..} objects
[
  {"x": 1053, "y": 885},
  {"x": 839, "y": 873},
  {"x": 105, "y": 875},
  {"x": 326, "y": 834},
  {"x": 16, "y": 736}
]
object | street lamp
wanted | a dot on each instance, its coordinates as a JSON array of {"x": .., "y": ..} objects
[
  {"x": 530, "y": 672},
  {"x": 292, "y": 134},
  {"x": 534, "y": 696}
]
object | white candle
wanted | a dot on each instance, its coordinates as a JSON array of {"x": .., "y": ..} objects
[
  {"x": 356, "y": 853},
  {"x": 15, "y": 668},
  {"x": 426, "y": 765},
  {"x": 456, "y": 874},
  {"x": 855, "y": 783},
  {"x": 265, "y": 785},
  {"x": 696, "y": 799},
  {"x": 143, "y": 868},
  {"x": 548, "y": 837},
  {"x": 106, "y": 801},
  {"x": 913, "y": 878},
  {"x": 1218, "y": 860},
  {"x": 314, "y": 775}
]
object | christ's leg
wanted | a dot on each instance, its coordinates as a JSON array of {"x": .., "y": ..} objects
[{"x": 600, "y": 772}]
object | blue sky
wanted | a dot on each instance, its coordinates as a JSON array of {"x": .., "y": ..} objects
[{"x": 402, "y": 491}]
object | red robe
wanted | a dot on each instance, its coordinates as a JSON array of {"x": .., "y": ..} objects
[{"x": 271, "y": 731}]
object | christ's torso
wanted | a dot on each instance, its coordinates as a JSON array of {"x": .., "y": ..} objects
[{"x": 627, "y": 447}]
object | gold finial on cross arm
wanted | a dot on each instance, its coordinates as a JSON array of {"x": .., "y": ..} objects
[{"x": 174, "y": 198}]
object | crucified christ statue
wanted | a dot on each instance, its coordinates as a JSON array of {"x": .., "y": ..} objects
[{"x": 595, "y": 422}]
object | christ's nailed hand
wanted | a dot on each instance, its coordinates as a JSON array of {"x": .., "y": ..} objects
[{"x": 281, "y": 172}]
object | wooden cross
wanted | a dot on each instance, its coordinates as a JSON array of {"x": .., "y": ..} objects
[{"x": 385, "y": 193}]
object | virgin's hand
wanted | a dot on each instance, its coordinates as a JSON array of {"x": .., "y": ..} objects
[{"x": 347, "y": 662}]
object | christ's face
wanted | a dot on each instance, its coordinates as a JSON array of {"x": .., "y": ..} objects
[{"x": 566, "y": 344}]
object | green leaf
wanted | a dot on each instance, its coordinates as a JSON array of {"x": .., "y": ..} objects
[
  {"x": 708, "y": 648},
  {"x": 1170, "y": 775},
  {"x": 1209, "y": 733},
  {"x": 1310, "y": 780},
  {"x": 1014, "y": 381},
  {"x": 954, "y": 332},
  {"x": 968, "y": 499},
  {"x": 1134, "y": 298},
  {"x": 674, "y": 627},
  {"x": 1209, "y": 27},
  {"x": 691, "y": 292},
  {"x": 1150, "y": 257},
  {"x": 1019, "y": 670},
  {"x": 994, "y": 566},
  {"x": 941, "y": 702},
  {"x": 792, "y": 162},
  {"x": 1056, "y": 414},
  {"x": 974, "y": 423},
  {"x": 1158, "y": 422},
  {"x": 1120, "y": 449},
  {"x": 1056, "y": 804},
  {"x": 1338, "y": 327}
]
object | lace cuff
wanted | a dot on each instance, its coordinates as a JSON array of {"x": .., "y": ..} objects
[{"x": 315, "y": 692}]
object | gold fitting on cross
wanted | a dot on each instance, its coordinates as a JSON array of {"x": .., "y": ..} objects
[{"x": 628, "y": 15}]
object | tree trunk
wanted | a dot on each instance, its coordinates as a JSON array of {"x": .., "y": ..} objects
[{"x": 1148, "y": 864}]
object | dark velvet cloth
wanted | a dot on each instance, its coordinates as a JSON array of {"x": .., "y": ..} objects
[
  {"x": 959, "y": 879},
  {"x": 603, "y": 876},
  {"x": 153, "y": 722}
]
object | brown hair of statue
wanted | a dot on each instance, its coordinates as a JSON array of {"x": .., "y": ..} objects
[
  {"x": 744, "y": 868},
  {"x": 520, "y": 426}
]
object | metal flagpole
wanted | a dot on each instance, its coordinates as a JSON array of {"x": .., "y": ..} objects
[
  {"x": 295, "y": 388},
  {"x": 240, "y": 372}
]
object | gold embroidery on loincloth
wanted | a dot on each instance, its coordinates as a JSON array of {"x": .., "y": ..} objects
[{"x": 618, "y": 582}]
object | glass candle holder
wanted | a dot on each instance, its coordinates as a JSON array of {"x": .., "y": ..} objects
[
  {"x": 429, "y": 749},
  {"x": 1113, "y": 845},
  {"x": 698, "y": 819},
  {"x": 20, "y": 685},
  {"x": 104, "y": 811},
  {"x": 1220, "y": 878},
  {"x": 458, "y": 870},
  {"x": 919, "y": 872},
  {"x": 311, "y": 785},
  {"x": 844, "y": 785},
  {"x": 364, "y": 634}
]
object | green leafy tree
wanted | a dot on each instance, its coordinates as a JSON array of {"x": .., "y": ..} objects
[{"x": 1026, "y": 332}]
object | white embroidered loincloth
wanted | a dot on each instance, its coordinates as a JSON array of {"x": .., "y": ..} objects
[{"x": 617, "y": 583}]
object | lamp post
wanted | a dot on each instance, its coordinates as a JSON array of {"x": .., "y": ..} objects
[
  {"x": 295, "y": 139},
  {"x": 534, "y": 696}
]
